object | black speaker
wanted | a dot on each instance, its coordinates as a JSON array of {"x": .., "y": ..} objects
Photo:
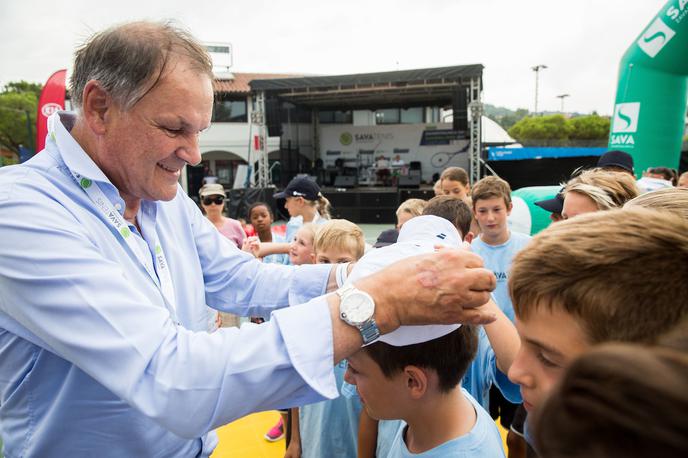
[
  {"x": 344, "y": 181},
  {"x": 272, "y": 116},
  {"x": 410, "y": 181},
  {"x": 460, "y": 109}
]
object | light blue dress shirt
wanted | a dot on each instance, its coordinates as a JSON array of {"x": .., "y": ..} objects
[{"x": 93, "y": 363}]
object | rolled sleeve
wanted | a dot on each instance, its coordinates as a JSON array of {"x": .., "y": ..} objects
[{"x": 307, "y": 333}]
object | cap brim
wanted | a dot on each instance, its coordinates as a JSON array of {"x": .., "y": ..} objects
[
  {"x": 410, "y": 335},
  {"x": 616, "y": 164},
  {"x": 279, "y": 195},
  {"x": 553, "y": 205}
]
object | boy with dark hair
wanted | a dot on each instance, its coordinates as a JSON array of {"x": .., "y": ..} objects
[
  {"x": 618, "y": 275},
  {"x": 453, "y": 210},
  {"x": 488, "y": 366},
  {"x": 419, "y": 383}
]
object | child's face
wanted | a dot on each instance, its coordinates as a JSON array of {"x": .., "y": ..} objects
[
  {"x": 301, "y": 249},
  {"x": 576, "y": 203},
  {"x": 334, "y": 255},
  {"x": 455, "y": 188},
  {"x": 294, "y": 205},
  {"x": 260, "y": 218},
  {"x": 550, "y": 340},
  {"x": 402, "y": 218},
  {"x": 491, "y": 215},
  {"x": 381, "y": 396}
]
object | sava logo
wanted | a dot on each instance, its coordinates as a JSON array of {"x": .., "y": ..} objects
[
  {"x": 626, "y": 117},
  {"x": 622, "y": 140},
  {"x": 655, "y": 37}
]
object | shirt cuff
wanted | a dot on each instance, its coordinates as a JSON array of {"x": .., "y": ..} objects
[
  {"x": 309, "y": 281},
  {"x": 307, "y": 333}
]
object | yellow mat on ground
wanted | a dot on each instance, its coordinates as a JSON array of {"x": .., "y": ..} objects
[{"x": 244, "y": 438}]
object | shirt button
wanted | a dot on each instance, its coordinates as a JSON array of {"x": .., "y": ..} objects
[{"x": 118, "y": 206}]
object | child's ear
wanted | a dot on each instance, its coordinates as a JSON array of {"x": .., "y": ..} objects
[
  {"x": 469, "y": 237},
  {"x": 416, "y": 381},
  {"x": 312, "y": 255},
  {"x": 509, "y": 208}
]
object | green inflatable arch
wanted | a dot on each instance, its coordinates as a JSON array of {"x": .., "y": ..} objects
[{"x": 650, "y": 108}]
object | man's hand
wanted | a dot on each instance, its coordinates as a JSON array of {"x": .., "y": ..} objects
[{"x": 445, "y": 287}]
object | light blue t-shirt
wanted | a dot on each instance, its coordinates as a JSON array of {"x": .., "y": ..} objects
[
  {"x": 482, "y": 441},
  {"x": 481, "y": 374},
  {"x": 498, "y": 259},
  {"x": 330, "y": 428},
  {"x": 279, "y": 258}
]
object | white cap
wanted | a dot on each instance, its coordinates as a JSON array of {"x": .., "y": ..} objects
[{"x": 418, "y": 235}]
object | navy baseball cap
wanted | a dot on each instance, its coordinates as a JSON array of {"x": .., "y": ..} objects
[
  {"x": 300, "y": 187},
  {"x": 616, "y": 158},
  {"x": 553, "y": 205},
  {"x": 386, "y": 237}
]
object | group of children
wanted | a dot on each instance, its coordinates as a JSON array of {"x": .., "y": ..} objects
[{"x": 616, "y": 274}]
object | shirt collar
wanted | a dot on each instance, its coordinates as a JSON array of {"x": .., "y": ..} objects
[{"x": 75, "y": 158}]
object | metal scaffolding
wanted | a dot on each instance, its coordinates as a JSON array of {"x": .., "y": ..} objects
[
  {"x": 475, "y": 108},
  {"x": 260, "y": 141}
]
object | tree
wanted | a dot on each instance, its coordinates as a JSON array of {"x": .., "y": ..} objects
[
  {"x": 18, "y": 105},
  {"x": 541, "y": 128},
  {"x": 591, "y": 127}
]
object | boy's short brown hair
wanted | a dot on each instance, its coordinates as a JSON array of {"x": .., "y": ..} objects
[
  {"x": 489, "y": 188},
  {"x": 621, "y": 273},
  {"x": 449, "y": 356},
  {"x": 340, "y": 234},
  {"x": 452, "y": 209},
  {"x": 455, "y": 174}
]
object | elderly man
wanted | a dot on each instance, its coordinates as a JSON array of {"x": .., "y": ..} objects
[{"x": 106, "y": 269}]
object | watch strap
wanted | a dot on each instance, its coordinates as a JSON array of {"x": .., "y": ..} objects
[{"x": 369, "y": 331}]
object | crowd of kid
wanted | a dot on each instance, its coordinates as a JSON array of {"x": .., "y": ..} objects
[{"x": 587, "y": 354}]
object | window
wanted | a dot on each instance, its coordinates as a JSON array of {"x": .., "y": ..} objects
[
  {"x": 227, "y": 110},
  {"x": 335, "y": 117},
  {"x": 387, "y": 116},
  {"x": 412, "y": 115}
]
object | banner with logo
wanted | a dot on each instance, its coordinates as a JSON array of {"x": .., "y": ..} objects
[
  {"x": 52, "y": 99},
  {"x": 649, "y": 113}
]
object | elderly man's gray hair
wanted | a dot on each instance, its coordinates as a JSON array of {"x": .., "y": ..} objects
[{"x": 128, "y": 60}]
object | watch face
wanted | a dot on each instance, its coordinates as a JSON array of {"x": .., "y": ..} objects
[{"x": 358, "y": 307}]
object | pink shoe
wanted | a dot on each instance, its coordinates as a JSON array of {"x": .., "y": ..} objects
[{"x": 276, "y": 432}]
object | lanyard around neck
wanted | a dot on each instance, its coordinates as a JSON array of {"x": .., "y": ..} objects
[{"x": 163, "y": 279}]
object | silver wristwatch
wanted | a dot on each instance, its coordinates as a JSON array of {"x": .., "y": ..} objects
[{"x": 357, "y": 308}]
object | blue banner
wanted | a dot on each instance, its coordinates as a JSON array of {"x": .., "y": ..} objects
[{"x": 499, "y": 153}]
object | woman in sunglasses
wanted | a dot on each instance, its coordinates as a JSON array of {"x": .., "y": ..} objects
[{"x": 213, "y": 204}]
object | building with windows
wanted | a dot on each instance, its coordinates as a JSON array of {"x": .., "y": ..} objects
[{"x": 225, "y": 145}]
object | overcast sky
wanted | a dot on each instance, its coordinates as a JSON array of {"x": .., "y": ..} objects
[{"x": 581, "y": 41}]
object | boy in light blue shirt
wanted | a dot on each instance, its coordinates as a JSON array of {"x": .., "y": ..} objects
[
  {"x": 420, "y": 384},
  {"x": 496, "y": 244},
  {"x": 441, "y": 356}
]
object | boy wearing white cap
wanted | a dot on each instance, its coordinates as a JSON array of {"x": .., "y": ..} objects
[{"x": 414, "y": 373}]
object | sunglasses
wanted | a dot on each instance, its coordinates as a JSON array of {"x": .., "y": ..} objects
[{"x": 217, "y": 200}]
